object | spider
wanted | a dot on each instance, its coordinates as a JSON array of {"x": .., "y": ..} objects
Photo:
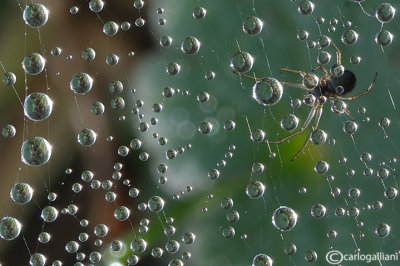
[{"x": 331, "y": 86}]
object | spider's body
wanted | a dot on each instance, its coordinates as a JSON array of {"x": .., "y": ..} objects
[{"x": 329, "y": 88}]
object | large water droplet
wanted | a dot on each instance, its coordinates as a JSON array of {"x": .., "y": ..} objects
[
  {"x": 35, "y": 151},
  {"x": 35, "y": 15}
]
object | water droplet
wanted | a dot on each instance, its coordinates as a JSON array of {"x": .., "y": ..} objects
[
  {"x": 384, "y": 122},
  {"x": 49, "y": 214},
  {"x": 74, "y": 10},
  {"x": 81, "y": 83},
  {"x": 354, "y": 193},
  {"x": 232, "y": 216},
  {"x": 33, "y": 64},
  {"x": 138, "y": 245},
  {"x": 35, "y": 15},
  {"x": 318, "y": 137},
  {"x": 384, "y": 38},
  {"x": 110, "y": 28},
  {"x": 199, "y": 12},
  {"x": 162, "y": 21},
  {"x": 320, "y": 20},
  {"x": 173, "y": 69},
  {"x": 122, "y": 213},
  {"x": 255, "y": 189},
  {"x": 311, "y": 256},
  {"x": 10, "y": 228},
  {"x": 323, "y": 58},
  {"x": 100, "y": 230},
  {"x": 96, "y": 5},
  {"x": 226, "y": 203},
  {"x": 241, "y": 62},
  {"x": 44, "y": 237},
  {"x": 349, "y": 37},
  {"x": 382, "y": 230},
  {"x": 157, "y": 252},
  {"x": 8, "y": 131},
  {"x": 138, "y": 4},
  {"x": 302, "y": 35},
  {"x": 125, "y": 26},
  {"x": 331, "y": 234},
  {"x": 213, "y": 173},
  {"x": 229, "y": 125},
  {"x": 88, "y": 54},
  {"x": 284, "y": 218},
  {"x": 350, "y": 127},
  {"x": 165, "y": 41},
  {"x": 318, "y": 210},
  {"x": 37, "y": 259},
  {"x": 172, "y": 246},
  {"x": 290, "y": 249},
  {"x": 139, "y": 22},
  {"x": 35, "y": 151},
  {"x": 311, "y": 44},
  {"x": 228, "y": 232},
  {"x": 190, "y": 45},
  {"x": 209, "y": 75},
  {"x": 385, "y": 12},
  {"x": 21, "y": 193},
  {"x": 257, "y": 168},
  {"x": 188, "y": 238},
  {"x": 252, "y": 25},
  {"x": 390, "y": 193},
  {"x": 9, "y": 78},
  {"x": 337, "y": 71},
  {"x": 267, "y": 91},
  {"x": 262, "y": 260},
  {"x": 321, "y": 167},
  {"x": 355, "y": 59},
  {"x": 257, "y": 135},
  {"x": 306, "y": 7},
  {"x": 144, "y": 156},
  {"x": 289, "y": 122},
  {"x": 97, "y": 108},
  {"x": 333, "y": 21},
  {"x": 112, "y": 59},
  {"x": 324, "y": 41},
  {"x": 157, "y": 107},
  {"x": 38, "y": 106},
  {"x": 155, "y": 204},
  {"x": 87, "y": 137}
]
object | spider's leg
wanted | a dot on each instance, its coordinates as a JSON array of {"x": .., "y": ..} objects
[
  {"x": 247, "y": 76},
  {"x": 338, "y": 53},
  {"x": 294, "y": 85},
  {"x": 349, "y": 114},
  {"x": 360, "y": 94},
  {"x": 314, "y": 128},
  {"x": 305, "y": 125},
  {"x": 322, "y": 68},
  {"x": 346, "y": 110},
  {"x": 300, "y": 72}
]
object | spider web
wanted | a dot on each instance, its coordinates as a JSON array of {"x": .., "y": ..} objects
[{"x": 207, "y": 162}]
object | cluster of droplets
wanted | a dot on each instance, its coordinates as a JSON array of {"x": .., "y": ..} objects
[
  {"x": 384, "y": 13},
  {"x": 215, "y": 173},
  {"x": 36, "y": 151}
]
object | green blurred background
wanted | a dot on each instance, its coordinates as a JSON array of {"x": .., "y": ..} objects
[{"x": 199, "y": 211}]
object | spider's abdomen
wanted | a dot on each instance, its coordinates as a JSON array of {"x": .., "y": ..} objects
[
  {"x": 347, "y": 81},
  {"x": 319, "y": 91}
]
